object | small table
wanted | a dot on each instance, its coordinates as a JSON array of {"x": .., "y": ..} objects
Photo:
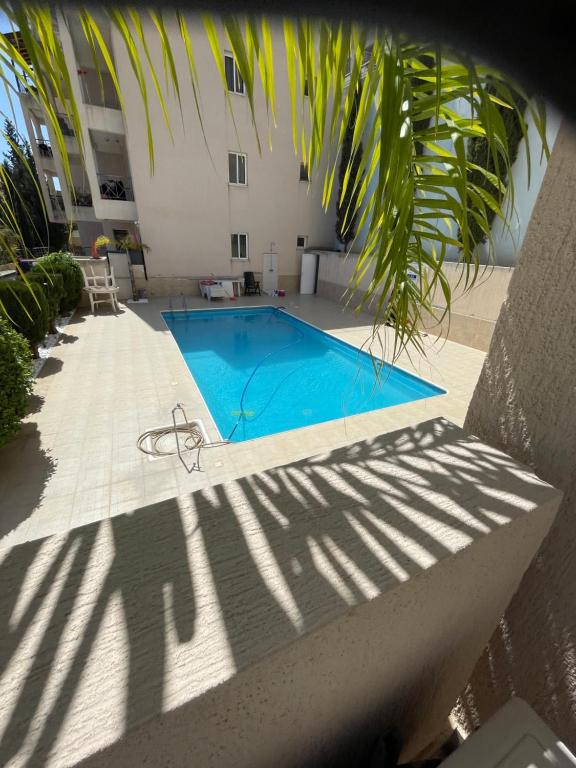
[
  {"x": 221, "y": 287},
  {"x": 212, "y": 290}
]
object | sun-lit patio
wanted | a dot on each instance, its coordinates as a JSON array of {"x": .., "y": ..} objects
[
  {"x": 112, "y": 377},
  {"x": 284, "y": 618}
]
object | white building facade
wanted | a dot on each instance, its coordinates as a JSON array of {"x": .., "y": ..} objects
[{"x": 215, "y": 204}]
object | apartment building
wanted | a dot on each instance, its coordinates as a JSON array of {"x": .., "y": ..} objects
[{"x": 215, "y": 203}]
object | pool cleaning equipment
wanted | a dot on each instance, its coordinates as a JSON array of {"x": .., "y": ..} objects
[
  {"x": 171, "y": 302},
  {"x": 242, "y": 413},
  {"x": 176, "y": 440}
]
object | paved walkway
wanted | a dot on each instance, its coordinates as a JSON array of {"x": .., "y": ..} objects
[{"x": 113, "y": 376}]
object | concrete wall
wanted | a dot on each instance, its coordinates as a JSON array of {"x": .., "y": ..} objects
[
  {"x": 187, "y": 210},
  {"x": 525, "y": 403},
  {"x": 284, "y": 619},
  {"x": 474, "y": 311},
  {"x": 507, "y": 242}
]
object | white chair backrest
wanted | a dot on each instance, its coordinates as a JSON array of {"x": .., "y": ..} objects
[{"x": 95, "y": 281}]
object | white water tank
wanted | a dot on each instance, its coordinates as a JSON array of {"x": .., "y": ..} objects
[{"x": 309, "y": 273}]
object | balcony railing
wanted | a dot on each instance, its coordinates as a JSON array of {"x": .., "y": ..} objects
[
  {"x": 58, "y": 205},
  {"x": 81, "y": 198},
  {"x": 114, "y": 187},
  {"x": 44, "y": 148},
  {"x": 65, "y": 127},
  {"x": 98, "y": 89},
  {"x": 24, "y": 84}
]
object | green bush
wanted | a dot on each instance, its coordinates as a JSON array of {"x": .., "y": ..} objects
[
  {"x": 53, "y": 286},
  {"x": 15, "y": 379},
  {"x": 63, "y": 264},
  {"x": 479, "y": 154},
  {"x": 26, "y": 309}
]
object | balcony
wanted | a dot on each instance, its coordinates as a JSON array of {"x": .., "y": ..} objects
[
  {"x": 82, "y": 205},
  {"x": 98, "y": 89},
  {"x": 44, "y": 148},
  {"x": 81, "y": 198},
  {"x": 113, "y": 187},
  {"x": 65, "y": 127},
  {"x": 24, "y": 85},
  {"x": 58, "y": 208}
]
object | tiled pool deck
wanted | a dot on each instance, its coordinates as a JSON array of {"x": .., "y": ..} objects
[{"x": 113, "y": 376}]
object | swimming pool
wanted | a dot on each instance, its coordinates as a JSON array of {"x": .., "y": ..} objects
[{"x": 262, "y": 371}]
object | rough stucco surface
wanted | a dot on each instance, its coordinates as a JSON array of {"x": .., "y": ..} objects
[
  {"x": 525, "y": 404},
  {"x": 272, "y": 620}
]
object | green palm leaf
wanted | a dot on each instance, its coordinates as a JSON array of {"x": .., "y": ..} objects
[{"x": 416, "y": 108}]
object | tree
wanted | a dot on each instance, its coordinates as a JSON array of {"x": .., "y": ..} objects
[
  {"x": 20, "y": 187},
  {"x": 347, "y": 202},
  {"x": 480, "y": 155}
]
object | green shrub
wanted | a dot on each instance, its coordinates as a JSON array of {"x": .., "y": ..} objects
[
  {"x": 15, "y": 379},
  {"x": 53, "y": 286},
  {"x": 478, "y": 153},
  {"x": 26, "y": 309},
  {"x": 63, "y": 264}
]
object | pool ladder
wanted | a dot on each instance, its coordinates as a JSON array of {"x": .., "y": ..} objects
[{"x": 184, "y": 305}]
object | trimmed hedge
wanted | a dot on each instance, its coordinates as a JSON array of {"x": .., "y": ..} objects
[
  {"x": 53, "y": 286},
  {"x": 63, "y": 264},
  {"x": 26, "y": 309},
  {"x": 15, "y": 379}
]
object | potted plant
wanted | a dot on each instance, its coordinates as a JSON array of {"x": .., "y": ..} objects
[
  {"x": 134, "y": 247},
  {"x": 99, "y": 245}
]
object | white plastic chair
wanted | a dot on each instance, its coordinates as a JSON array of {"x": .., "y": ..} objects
[{"x": 101, "y": 285}]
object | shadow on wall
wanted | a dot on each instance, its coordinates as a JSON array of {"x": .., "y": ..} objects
[
  {"x": 128, "y": 594},
  {"x": 525, "y": 402}
]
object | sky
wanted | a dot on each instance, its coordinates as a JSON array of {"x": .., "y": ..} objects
[{"x": 5, "y": 108}]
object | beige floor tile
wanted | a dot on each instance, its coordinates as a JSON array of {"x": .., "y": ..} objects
[{"x": 75, "y": 460}]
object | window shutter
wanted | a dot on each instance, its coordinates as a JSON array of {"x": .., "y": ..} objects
[
  {"x": 241, "y": 169},
  {"x": 232, "y": 175},
  {"x": 229, "y": 67}
]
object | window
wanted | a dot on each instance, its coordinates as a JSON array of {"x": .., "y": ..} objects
[
  {"x": 239, "y": 245},
  {"x": 236, "y": 168},
  {"x": 301, "y": 241},
  {"x": 233, "y": 78},
  {"x": 304, "y": 172}
]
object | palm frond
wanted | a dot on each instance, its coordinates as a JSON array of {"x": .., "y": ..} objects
[{"x": 416, "y": 108}]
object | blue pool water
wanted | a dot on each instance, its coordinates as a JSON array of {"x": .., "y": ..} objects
[{"x": 263, "y": 371}]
